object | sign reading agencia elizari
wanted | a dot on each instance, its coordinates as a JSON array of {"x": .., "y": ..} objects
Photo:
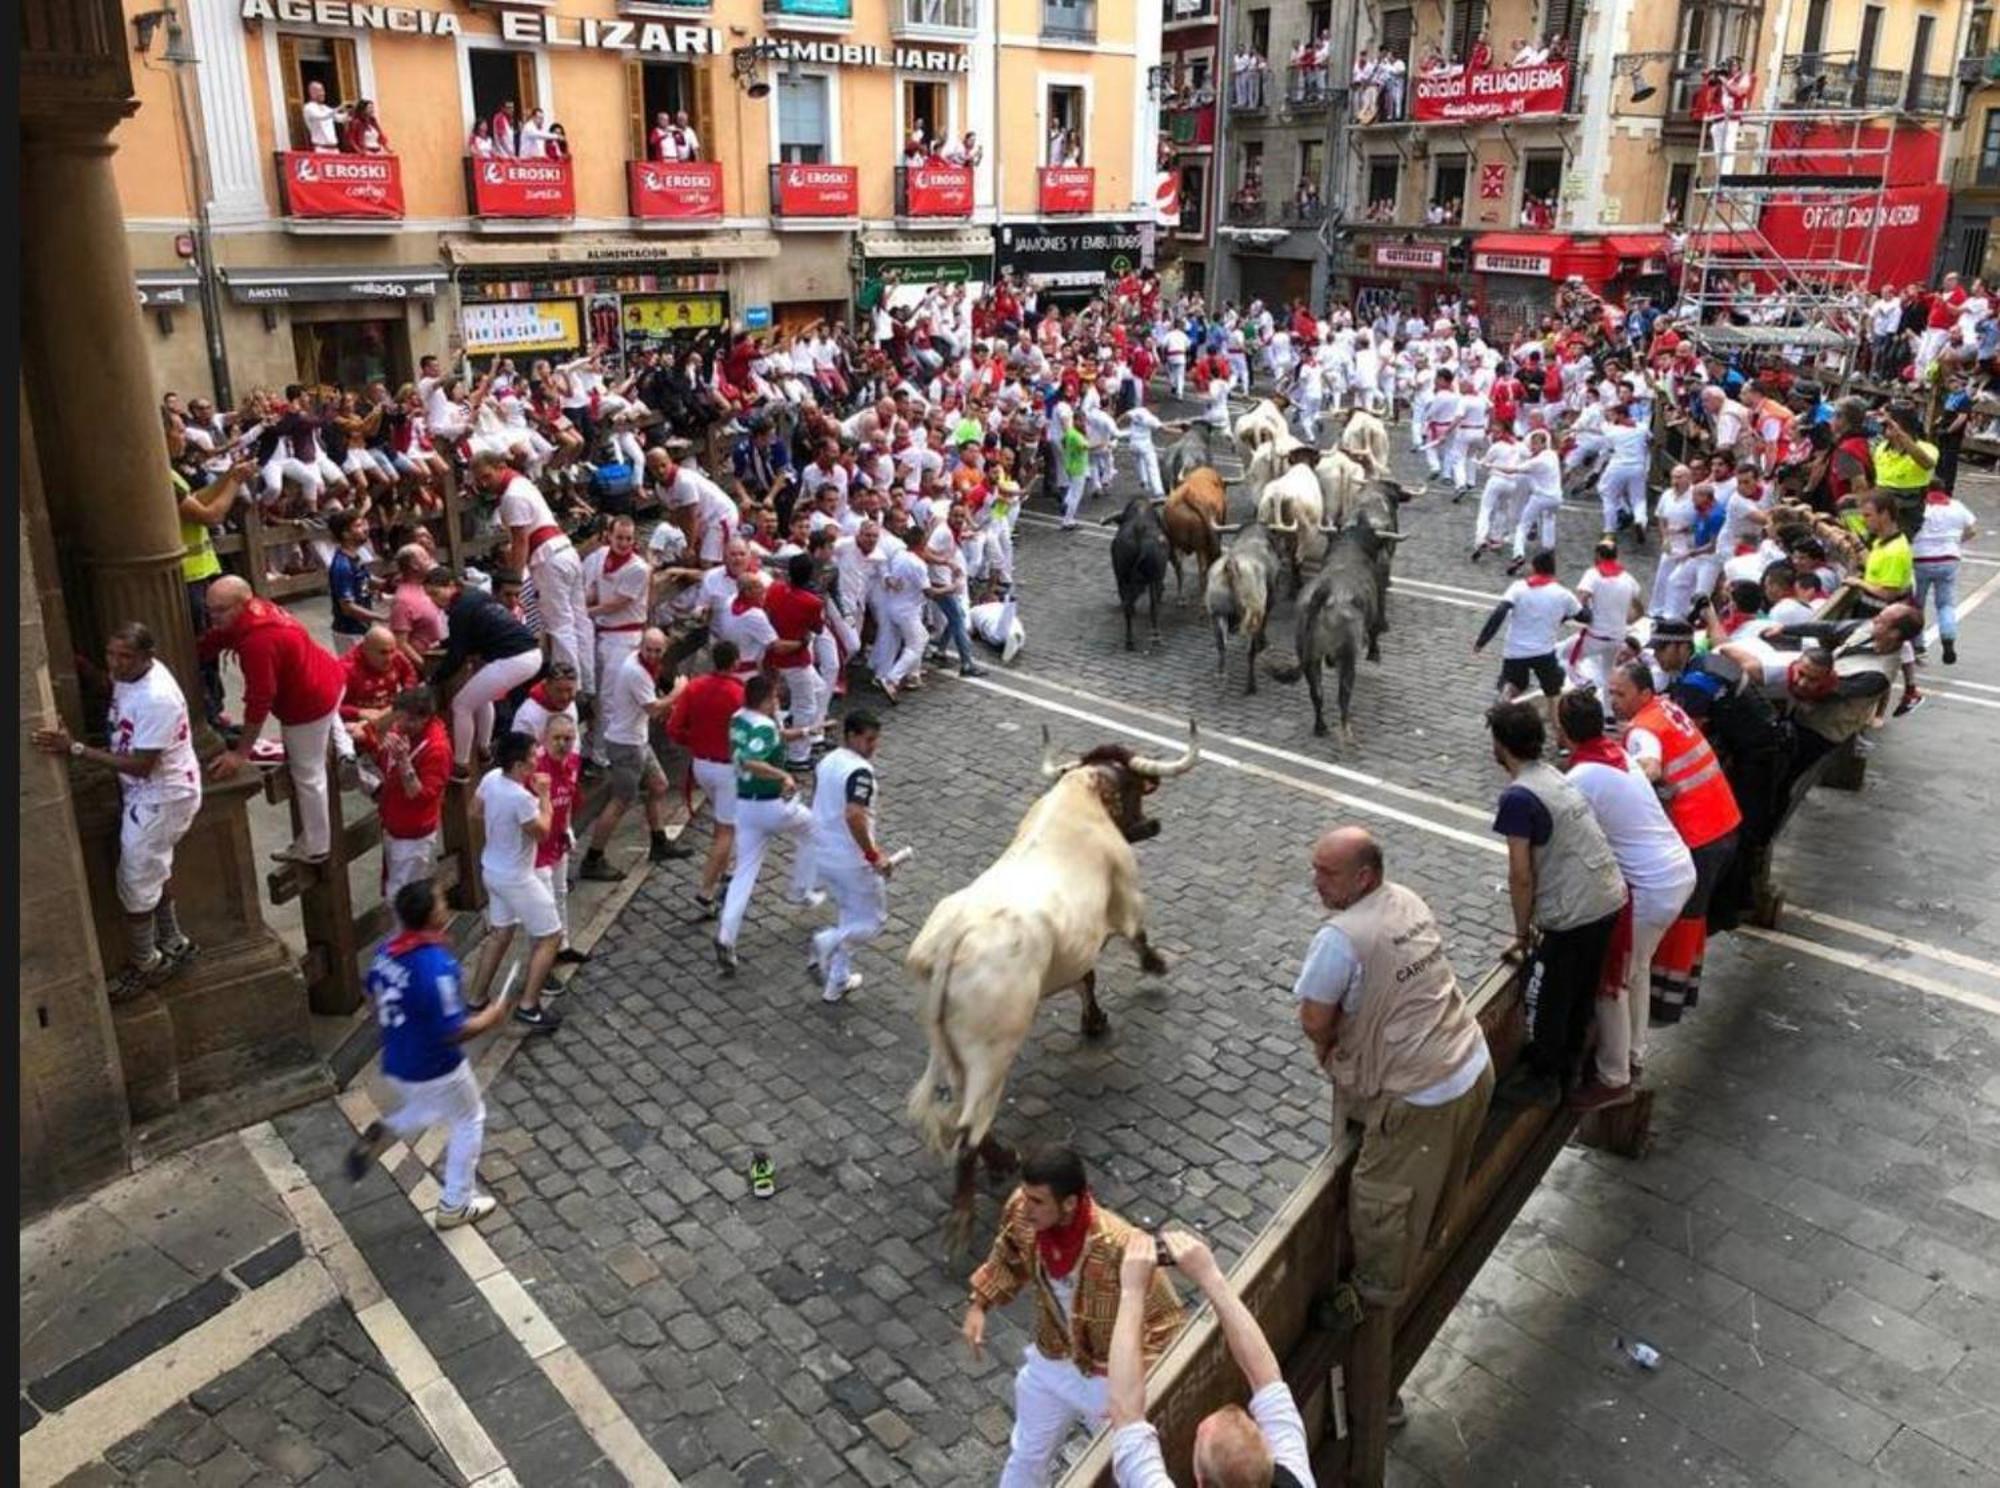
[{"x": 540, "y": 28}]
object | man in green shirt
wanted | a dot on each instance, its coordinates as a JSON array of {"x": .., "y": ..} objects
[
  {"x": 767, "y": 806},
  {"x": 1903, "y": 465},
  {"x": 1890, "y": 573},
  {"x": 1076, "y": 466}
]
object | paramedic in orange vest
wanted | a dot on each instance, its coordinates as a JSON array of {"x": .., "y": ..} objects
[{"x": 1670, "y": 750}]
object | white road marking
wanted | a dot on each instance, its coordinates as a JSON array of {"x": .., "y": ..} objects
[
  {"x": 68, "y": 1439},
  {"x": 1876, "y": 966},
  {"x": 1958, "y": 682},
  {"x": 1959, "y": 697},
  {"x": 1901, "y": 943},
  {"x": 1977, "y": 598}
]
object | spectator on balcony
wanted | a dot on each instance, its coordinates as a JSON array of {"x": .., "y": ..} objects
[
  {"x": 966, "y": 151},
  {"x": 1305, "y": 201},
  {"x": 1530, "y": 54},
  {"x": 1242, "y": 75},
  {"x": 532, "y": 142},
  {"x": 1480, "y": 58},
  {"x": 503, "y": 130},
  {"x": 916, "y": 149},
  {"x": 480, "y": 145},
  {"x": 1394, "y": 74},
  {"x": 558, "y": 141},
  {"x": 324, "y": 121},
  {"x": 364, "y": 134}
]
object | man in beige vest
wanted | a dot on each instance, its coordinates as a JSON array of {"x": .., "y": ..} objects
[{"x": 1382, "y": 1011}]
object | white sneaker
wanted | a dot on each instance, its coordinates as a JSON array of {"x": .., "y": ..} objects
[
  {"x": 812, "y": 899},
  {"x": 472, "y": 1211},
  {"x": 835, "y": 994}
]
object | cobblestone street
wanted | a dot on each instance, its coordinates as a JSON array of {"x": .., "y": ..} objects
[{"x": 1813, "y": 1244}]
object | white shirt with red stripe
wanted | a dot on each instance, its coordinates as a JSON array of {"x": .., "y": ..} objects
[
  {"x": 523, "y": 505},
  {"x": 627, "y": 586}
]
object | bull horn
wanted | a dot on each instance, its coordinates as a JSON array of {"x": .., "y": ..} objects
[
  {"x": 1390, "y": 537},
  {"x": 1052, "y": 769},
  {"x": 1223, "y": 531},
  {"x": 1152, "y": 769}
]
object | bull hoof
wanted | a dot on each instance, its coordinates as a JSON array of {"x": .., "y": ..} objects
[
  {"x": 1153, "y": 963},
  {"x": 1095, "y": 1024},
  {"x": 1319, "y": 729}
]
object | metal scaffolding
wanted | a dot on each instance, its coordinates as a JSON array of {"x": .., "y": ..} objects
[{"x": 1814, "y": 179}]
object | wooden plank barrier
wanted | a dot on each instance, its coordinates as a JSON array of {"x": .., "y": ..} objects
[{"x": 248, "y": 552}]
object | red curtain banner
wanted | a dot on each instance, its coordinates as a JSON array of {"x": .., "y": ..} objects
[
  {"x": 1495, "y": 93},
  {"x": 326, "y": 185},
  {"x": 818, "y": 191},
  {"x": 1906, "y": 238},
  {"x": 937, "y": 190},
  {"x": 1068, "y": 188},
  {"x": 499, "y": 186},
  {"x": 678, "y": 191}
]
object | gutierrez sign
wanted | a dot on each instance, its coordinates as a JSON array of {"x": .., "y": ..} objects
[{"x": 539, "y": 28}]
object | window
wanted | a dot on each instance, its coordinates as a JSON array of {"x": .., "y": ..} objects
[
  {"x": 1200, "y": 73},
  {"x": 1319, "y": 21},
  {"x": 501, "y": 77},
  {"x": 1541, "y": 185},
  {"x": 1070, "y": 20},
  {"x": 1979, "y": 34},
  {"x": 305, "y": 60},
  {"x": 926, "y": 106},
  {"x": 1066, "y": 143},
  {"x": 1194, "y": 197},
  {"x": 1448, "y": 187},
  {"x": 1680, "y": 183},
  {"x": 1384, "y": 185},
  {"x": 670, "y": 88},
  {"x": 1989, "y": 142},
  {"x": 1398, "y": 30},
  {"x": 1815, "y": 37},
  {"x": 1260, "y": 32},
  {"x": 1312, "y": 160},
  {"x": 1920, "y": 58},
  {"x": 804, "y": 131},
  {"x": 1468, "y": 20}
]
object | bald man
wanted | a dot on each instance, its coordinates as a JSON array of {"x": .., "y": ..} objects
[{"x": 1383, "y": 1015}]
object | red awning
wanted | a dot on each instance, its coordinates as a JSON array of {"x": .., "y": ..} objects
[
  {"x": 1547, "y": 244},
  {"x": 1637, "y": 245}
]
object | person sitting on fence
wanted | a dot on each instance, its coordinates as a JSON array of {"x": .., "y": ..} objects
[
  {"x": 413, "y": 762},
  {"x": 1263, "y": 1444},
  {"x": 378, "y": 672}
]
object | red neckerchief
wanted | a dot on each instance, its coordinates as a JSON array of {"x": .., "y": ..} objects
[
  {"x": 1535, "y": 581},
  {"x": 1062, "y": 1246},
  {"x": 1937, "y": 498},
  {"x": 613, "y": 561},
  {"x": 409, "y": 940},
  {"x": 1598, "y": 751},
  {"x": 1611, "y": 568},
  {"x": 742, "y": 606}
]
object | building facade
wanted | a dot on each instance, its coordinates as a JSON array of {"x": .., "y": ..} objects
[
  {"x": 797, "y": 202},
  {"x": 1190, "y": 90},
  {"x": 1972, "y": 152}
]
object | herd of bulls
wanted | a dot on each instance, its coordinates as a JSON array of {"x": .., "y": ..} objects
[{"x": 1335, "y": 510}]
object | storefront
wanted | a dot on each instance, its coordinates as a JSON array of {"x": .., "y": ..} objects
[
  {"x": 347, "y": 326},
  {"x": 1069, "y": 263},
  {"x": 1406, "y": 275},
  {"x": 904, "y": 267},
  {"x": 566, "y": 310},
  {"x": 1516, "y": 274}
]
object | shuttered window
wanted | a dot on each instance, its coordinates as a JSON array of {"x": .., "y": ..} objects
[{"x": 1468, "y": 19}]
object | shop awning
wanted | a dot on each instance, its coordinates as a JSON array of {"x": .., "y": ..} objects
[
  {"x": 364, "y": 282},
  {"x": 165, "y": 289},
  {"x": 973, "y": 243},
  {"x": 1531, "y": 255},
  {"x": 1545, "y": 243},
  {"x": 1637, "y": 245},
  {"x": 607, "y": 252}
]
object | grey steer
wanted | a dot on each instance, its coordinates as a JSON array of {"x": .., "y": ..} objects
[
  {"x": 1240, "y": 584},
  {"x": 1341, "y": 615}
]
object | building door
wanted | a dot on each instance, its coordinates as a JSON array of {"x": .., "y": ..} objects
[
  {"x": 670, "y": 88},
  {"x": 1920, "y": 58},
  {"x": 1864, "y": 54},
  {"x": 926, "y": 106},
  {"x": 326, "y": 60},
  {"x": 1275, "y": 281},
  {"x": 350, "y": 354}
]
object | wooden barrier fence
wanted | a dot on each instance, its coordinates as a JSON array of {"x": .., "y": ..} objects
[{"x": 249, "y": 552}]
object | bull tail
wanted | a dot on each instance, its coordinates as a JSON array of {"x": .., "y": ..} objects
[{"x": 935, "y": 1098}]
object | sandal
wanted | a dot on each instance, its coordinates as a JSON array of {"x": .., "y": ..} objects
[{"x": 763, "y": 1179}]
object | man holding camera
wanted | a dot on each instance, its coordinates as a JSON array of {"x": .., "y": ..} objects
[
  {"x": 1056, "y": 1238},
  {"x": 1234, "y": 1447}
]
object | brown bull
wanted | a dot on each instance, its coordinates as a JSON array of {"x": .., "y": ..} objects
[{"x": 1194, "y": 518}]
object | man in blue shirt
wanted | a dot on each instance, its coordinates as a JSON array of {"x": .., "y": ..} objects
[
  {"x": 414, "y": 985},
  {"x": 349, "y": 584}
]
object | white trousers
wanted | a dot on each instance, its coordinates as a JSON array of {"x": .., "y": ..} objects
[
  {"x": 1177, "y": 374},
  {"x": 451, "y": 1101},
  {"x": 558, "y": 576},
  {"x": 907, "y": 639},
  {"x": 407, "y": 860},
  {"x": 1101, "y": 469},
  {"x": 1673, "y": 587},
  {"x": 1589, "y": 658},
  {"x": 1073, "y": 494},
  {"x": 1496, "y": 506},
  {"x": 472, "y": 704},
  {"x": 1538, "y": 513},
  {"x": 757, "y": 822},
  {"x": 1623, "y": 1021},
  {"x": 555, "y": 878},
  {"x": 1146, "y": 460},
  {"x": 305, "y": 760},
  {"x": 1466, "y": 446},
  {"x": 861, "y": 898},
  {"x": 1622, "y": 487},
  {"x": 280, "y": 468},
  {"x": 1050, "y": 1397},
  {"x": 612, "y": 649},
  {"x": 148, "y": 832},
  {"x": 809, "y": 697}
]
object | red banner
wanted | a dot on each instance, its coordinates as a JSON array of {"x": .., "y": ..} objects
[
  {"x": 1068, "y": 188},
  {"x": 326, "y": 185},
  {"x": 502, "y": 186},
  {"x": 816, "y": 190},
  {"x": 1905, "y": 155},
  {"x": 1495, "y": 93},
  {"x": 1906, "y": 238},
  {"x": 677, "y": 191},
  {"x": 937, "y": 191}
]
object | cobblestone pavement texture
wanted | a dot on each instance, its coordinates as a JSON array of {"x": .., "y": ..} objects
[
  {"x": 1813, "y": 1243},
  {"x": 318, "y": 1407}
]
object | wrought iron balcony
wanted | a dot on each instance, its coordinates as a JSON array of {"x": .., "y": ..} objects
[
  {"x": 1975, "y": 172},
  {"x": 1188, "y": 12},
  {"x": 1247, "y": 214},
  {"x": 1074, "y": 21},
  {"x": 1305, "y": 89},
  {"x": 1928, "y": 93},
  {"x": 933, "y": 20}
]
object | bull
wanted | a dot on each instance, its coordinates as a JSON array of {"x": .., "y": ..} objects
[
  {"x": 1194, "y": 449},
  {"x": 1292, "y": 507},
  {"x": 1264, "y": 423},
  {"x": 1030, "y": 926},
  {"x": 1365, "y": 440},
  {"x": 1139, "y": 553},
  {"x": 1238, "y": 593},
  {"x": 1341, "y": 616},
  {"x": 1193, "y": 517}
]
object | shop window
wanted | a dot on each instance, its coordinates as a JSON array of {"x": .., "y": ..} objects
[
  {"x": 501, "y": 77},
  {"x": 1541, "y": 186},
  {"x": 351, "y": 353},
  {"x": 670, "y": 88},
  {"x": 1448, "y": 190},
  {"x": 1066, "y": 136},
  {"x": 805, "y": 133},
  {"x": 326, "y": 60},
  {"x": 927, "y": 106}
]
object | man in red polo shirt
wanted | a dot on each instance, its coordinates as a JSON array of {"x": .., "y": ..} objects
[
  {"x": 377, "y": 671},
  {"x": 414, "y": 760},
  {"x": 798, "y": 614},
  {"x": 287, "y": 675}
]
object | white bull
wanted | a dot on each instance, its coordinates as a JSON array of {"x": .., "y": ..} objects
[
  {"x": 1293, "y": 507},
  {"x": 1366, "y": 440},
  {"x": 1031, "y": 925},
  {"x": 1263, "y": 424},
  {"x": 1343, "y": 479}
]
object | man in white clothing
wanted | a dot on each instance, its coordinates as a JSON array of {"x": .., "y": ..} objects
[
  {"x": 766, "y": 806},
  {"x": 1534, "y": 611},
  {"x": 904, "y": 585},
  {"x": 1621, "y": 485},
  {"x": 1611, "y": 595},
  {"x": 1673, "y": 580},
  {"x": 1441, "y": 414},
  {"x": 1541, "y": 474},
  {"x": 617, "y": 597},
  {"x": 1140, "y": 425},
  {"x": 632, "y": 702},
  {"x": 1505, "y": 490},
  {"x": 850, "y": 863},
  {"x": 322, "y": 120},
  {"x": 540, "y": 548}
]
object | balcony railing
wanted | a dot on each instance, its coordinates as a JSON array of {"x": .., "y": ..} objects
[
  {"x": 1879, "y": 87},
  {"x": 1066, "y": 189},
  {"x": 1184, "y": 12},
  {"x": 933, "y": 20},
  {"x": 808, "y": 193},
  {"x": 1929, "y": 93},
  {"x": 1972, "y": 171},
  {"x": 1071, "y": 23},
  {"x": 1247, "y": 213},
  {"x": 1305, "y": 88},
  {"x": 1250, "y": 93},
  {"x": 679, "y": 193},
  {"x": 934, "y": 192},
  {"x": 319, "y": 184},
  {"x": 1302, "y": 214}
]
